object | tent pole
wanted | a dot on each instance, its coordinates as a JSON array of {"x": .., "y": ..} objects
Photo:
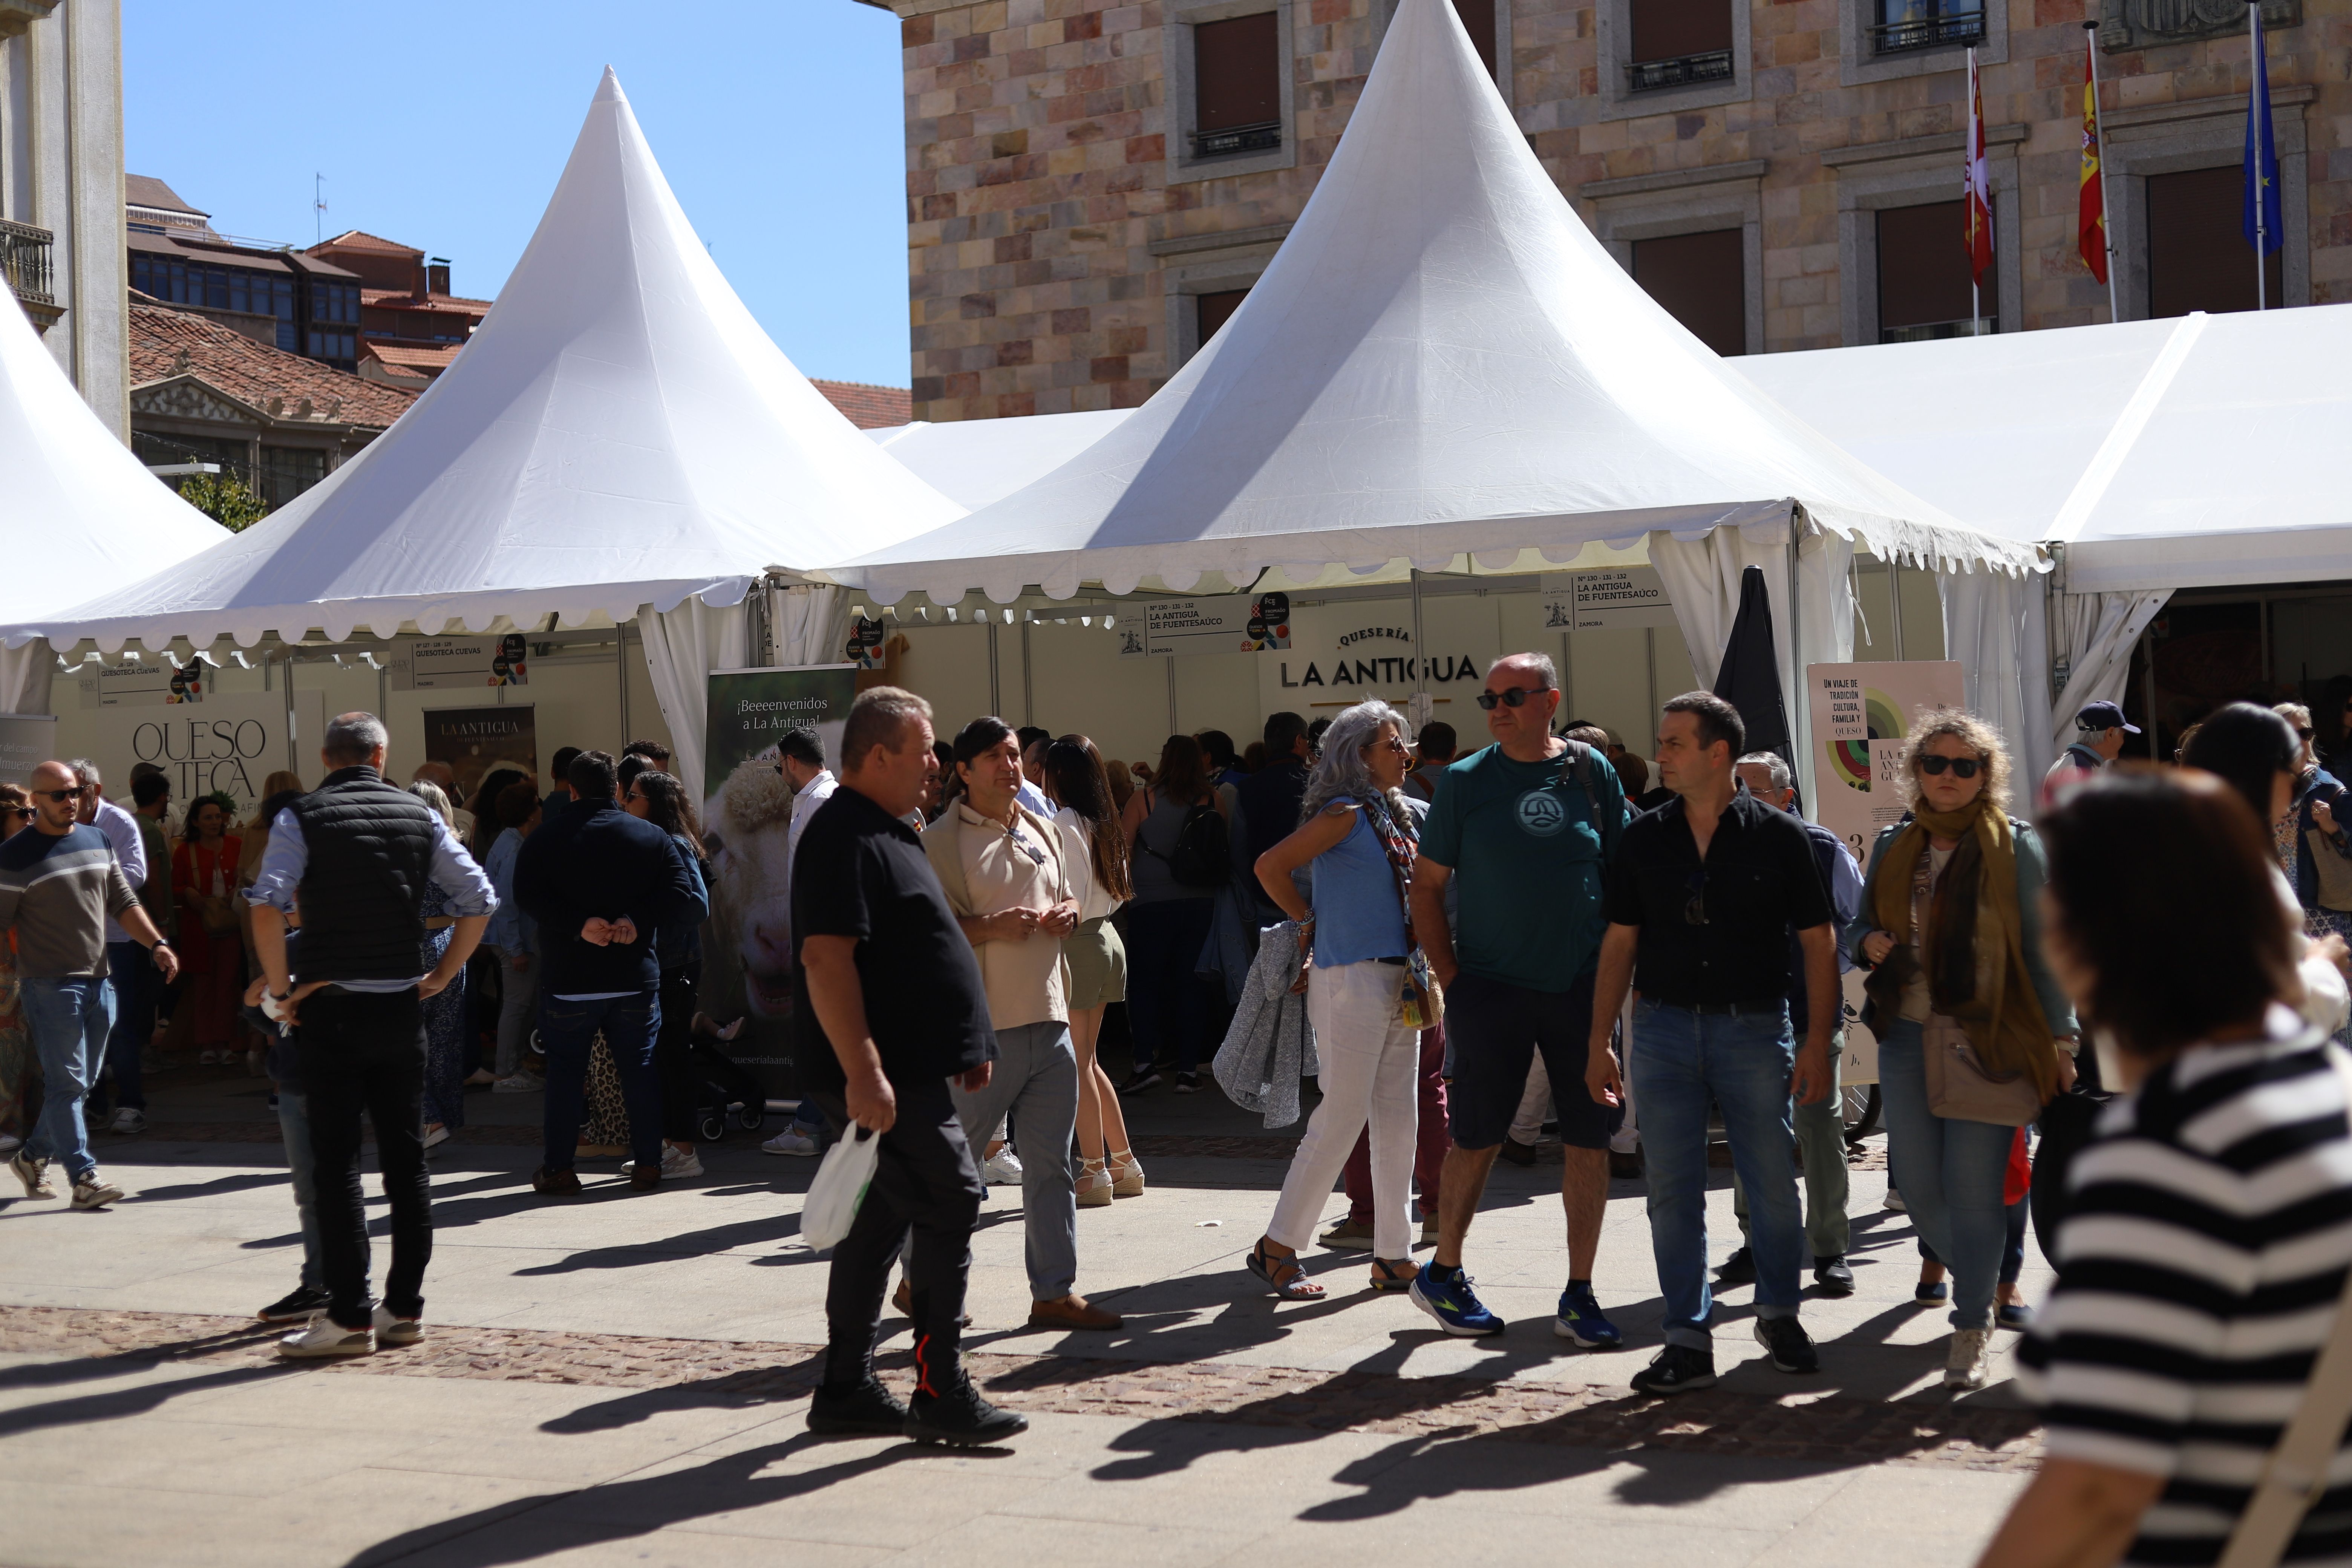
[
  {"x": 1169, "y": 662},
  {"x": 288, "y": 684},
  {"x": 621, "y": 668},
  {"x": 995, "y": 701},
  {"x": 2148, "y": 666},
  {"x": 1797, "y": 696},
  {"x": 1419, "y": 659},
  {"x": 1028, "y": 698},
  {"x": 1650, "y": 661},
  {"x": 1894, "y": 602}
]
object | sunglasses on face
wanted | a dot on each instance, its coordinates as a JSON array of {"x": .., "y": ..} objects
[
  {"x": 1962, "y": 767},
  {"x": 60, "y": 795},
  {"x": 2306, "y": 734},
  {"x": 1511, "y": 699},
  {"x": 1392, "y": 744}
]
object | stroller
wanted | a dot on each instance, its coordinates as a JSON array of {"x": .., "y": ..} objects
[{"x": 725, "y": 1087}]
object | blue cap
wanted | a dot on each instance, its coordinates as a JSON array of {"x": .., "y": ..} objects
[{"x": 2104, "y": 716}]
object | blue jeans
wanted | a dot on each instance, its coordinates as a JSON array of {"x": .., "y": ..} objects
[
  {"x": 1950, "y": 1174},
  {"x": 132, "y": 974},
  {"x": 69, "y": 1020},
  {"x": 1681, "y": 1062},
  {"x": 294, "y": 1126},
  {"x": 566, "y": 1030}
]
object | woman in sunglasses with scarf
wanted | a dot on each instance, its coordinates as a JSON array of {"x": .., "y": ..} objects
[{"x": 1974, "y": 1034}]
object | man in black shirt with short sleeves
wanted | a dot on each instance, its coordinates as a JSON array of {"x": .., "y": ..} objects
[
  {"x": 891, "y": 1007},
  {"x": 1702, "y": 895}
]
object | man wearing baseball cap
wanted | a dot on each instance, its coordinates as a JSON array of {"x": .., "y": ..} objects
[{"x": 2099, "y": 732}]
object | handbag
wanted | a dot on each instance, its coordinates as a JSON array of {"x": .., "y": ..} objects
[
  {"x": 1958, "y": 1087},
  {"x": 2295, "y": 1473},
  {"x": 839, "y": 1188},
  {"x": 2330, "y": 865},
  {"x": 1421, "y": 1000}
]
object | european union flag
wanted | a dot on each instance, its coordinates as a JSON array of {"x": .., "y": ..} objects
[{"x": 2264, "y": 229}]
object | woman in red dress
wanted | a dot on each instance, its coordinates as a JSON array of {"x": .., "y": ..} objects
[{"x": 203, "y": 881}]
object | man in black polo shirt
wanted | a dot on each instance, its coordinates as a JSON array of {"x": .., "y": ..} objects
[
  {"x": 1702, "y": 893},
  {"x": 891, "y": 1007}
]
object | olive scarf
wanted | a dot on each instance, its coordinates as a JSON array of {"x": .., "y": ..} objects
[{"x": 1974, "y": 938}]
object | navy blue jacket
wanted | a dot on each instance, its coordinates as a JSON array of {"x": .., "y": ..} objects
[{"x": 592, "y": 859}]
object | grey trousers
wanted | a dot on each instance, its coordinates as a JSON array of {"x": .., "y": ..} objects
[
  {"x": 1036, "y": 1082},
  {"x": 1820, "y": 1134},
  {"x": 517, "y": 1008}
]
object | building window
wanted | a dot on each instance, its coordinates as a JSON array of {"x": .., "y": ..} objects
[
  {"x": 1702, "y": 281},
  {"x": 1923, "y": 275},
  {"x": 1215, "y": 311},
  {"x": 1237, "y": 85},
  {"x": 176, "y": 282},
  {"x": 1478, "y": 19},
  {"x": 1906, "y": 25},
  {"x": 1679, "y": 43},
  {"x": 288, "y": 471},
  {"x": 2198, "y": 257}
]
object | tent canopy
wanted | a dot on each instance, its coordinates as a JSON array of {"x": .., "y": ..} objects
[
  {"x": 1441, "y": 359},
  {"x": 619, "y": 432},
  {"x": 975, "y": 461},
  {"x": 83, "y": 511}
]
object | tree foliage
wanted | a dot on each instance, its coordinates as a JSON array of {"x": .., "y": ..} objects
[{"x": 225, "y": 499}]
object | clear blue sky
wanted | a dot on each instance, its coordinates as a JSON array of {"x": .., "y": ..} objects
[{"x": 779, "y": 122}]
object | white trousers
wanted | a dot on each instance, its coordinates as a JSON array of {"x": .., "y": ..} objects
[{"x": 1371, "y": 1069}]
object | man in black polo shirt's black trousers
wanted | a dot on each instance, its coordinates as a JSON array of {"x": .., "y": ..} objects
[
  {"x": 890, "y": 1005},
  {"x": 1702, "y": 893}
]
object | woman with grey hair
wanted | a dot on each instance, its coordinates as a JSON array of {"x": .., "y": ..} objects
[
  {"x": 445, "y": 1012},
  {"x": 1358, "y": 835}
]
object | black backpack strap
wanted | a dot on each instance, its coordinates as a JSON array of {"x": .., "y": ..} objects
[{"x": 1581, "y": 759}]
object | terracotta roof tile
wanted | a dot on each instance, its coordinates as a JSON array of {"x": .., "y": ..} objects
[
  {"x": 253, "y": 373},
  {"x": 868, "y": 406},
  {"x": 360, "y": 239},
  {"x": 406, "y": 299},
  {"x": 401, "y": 355}
]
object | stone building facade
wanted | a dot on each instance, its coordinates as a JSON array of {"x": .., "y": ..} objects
[{"x": 1070, "y": 232}]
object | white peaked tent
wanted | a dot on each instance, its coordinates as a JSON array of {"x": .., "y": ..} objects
[
  {"x": 1440, "y": 360},
  {"x": 619, "y": 438},
  {"x": 975, "y": 461},
  {"x": 82, "y": 511}
]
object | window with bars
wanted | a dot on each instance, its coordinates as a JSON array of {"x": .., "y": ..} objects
[
  {"x": 1237, "y": 85},
  {"x": 288, "y": 471},
  {"x": 1679, "y": 43},
  {"x": 1904, "y": 25}
]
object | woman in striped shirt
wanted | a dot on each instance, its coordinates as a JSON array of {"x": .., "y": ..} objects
[{"x": 2206, "y": 1245}]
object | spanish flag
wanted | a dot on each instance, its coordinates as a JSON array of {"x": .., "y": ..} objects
[
  {"x": 2090, "y": 226},
  {"x": 1977, "y": 234}
]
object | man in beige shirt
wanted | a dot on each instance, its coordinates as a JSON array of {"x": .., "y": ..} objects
[{"x": 1000, "y": 866}]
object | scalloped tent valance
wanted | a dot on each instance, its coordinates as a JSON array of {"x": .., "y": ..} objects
[{"x": 618, "y": 432}]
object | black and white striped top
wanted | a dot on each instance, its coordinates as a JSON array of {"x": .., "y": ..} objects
[{"x": 2199, "y": 1270}]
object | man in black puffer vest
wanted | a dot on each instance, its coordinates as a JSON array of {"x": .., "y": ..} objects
[
  {"x": 599, "y": 883},
  {"x": 353, "y": 857}
]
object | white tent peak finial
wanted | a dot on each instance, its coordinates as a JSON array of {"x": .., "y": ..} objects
[{"x": 608, "y": 90}]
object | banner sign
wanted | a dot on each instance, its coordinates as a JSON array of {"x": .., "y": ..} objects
[
  {"x": 1610, "y": 598},
  {"x": 26, "y": 740},
  {"x": 1343, "y": 653},
  {"x": 438, "y": 664},
  {"x": 141, "y": 683},
  {"x": 232, "y": 746},
  {"x": 1229, "y": 623},
  {"x": 746, "y": 815},
  {"x": 863, "y": 648},
  {"x": 1861, "y": 718},
  {"x": 474, "y": 741}
]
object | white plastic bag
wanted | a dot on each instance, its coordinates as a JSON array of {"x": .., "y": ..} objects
[{"x": 840, "y": 1186}]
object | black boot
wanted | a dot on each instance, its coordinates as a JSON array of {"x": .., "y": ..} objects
[
  {"x": 948, "y": 1409},
  {"x": 856, "y": 1410}
]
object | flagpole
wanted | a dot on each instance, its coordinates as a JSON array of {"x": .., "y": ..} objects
[
  {"x": 1969, "y": 161},
  {"x": 2261, "y": 156},
  {"x": 2099, "y": 129}
]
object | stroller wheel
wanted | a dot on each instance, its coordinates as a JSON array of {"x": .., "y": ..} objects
[
  {"x": 712, "y": 1128},
  {"x": 749, "y": 1117}
]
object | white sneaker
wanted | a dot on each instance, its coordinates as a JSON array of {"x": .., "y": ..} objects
[
  {"x": 792, "y": 1140},
  {"x": 1964, "y": 1366},
  {"x": 326, "y": 1336},
  {"x": 1893, "y": 1200},
  {"x": 392, "y": 1331},
  {"x": 208, "y": 1058},
  {"x": 679, "y": 1161},
  {"x": 127, "y": 1120},
  {"x": 435, "y": 1135},
  {"x": 1004, "y": 1168},
  {"x": 519, "y": 1083},
  {"x": 34, "y": 1173},
  {"x": 91, "y": 1192}
]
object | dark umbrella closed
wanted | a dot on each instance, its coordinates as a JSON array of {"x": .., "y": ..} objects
[{"x": 1750, "y": 677}]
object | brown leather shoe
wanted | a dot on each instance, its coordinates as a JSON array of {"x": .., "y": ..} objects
[
  {"x": 1072, "y": 1312},
  {"x": 555, "y": 1183},
  {"x": 645, "y": 1178},
  {"x": 902, "y": 1302}
]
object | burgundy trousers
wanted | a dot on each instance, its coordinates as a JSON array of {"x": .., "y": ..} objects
[{"x": 1430, "y": 1139}]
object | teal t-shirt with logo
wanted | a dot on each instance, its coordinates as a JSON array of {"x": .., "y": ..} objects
[{"x": 1527, "y": 862}]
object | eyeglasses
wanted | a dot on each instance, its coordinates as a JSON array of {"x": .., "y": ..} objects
[
  {"x": 1962, "y": 767},
  {"x": 60, "y": 795},
  {"x": 1392, "y": 743},
  {"x": 1512, "y": 699},
  {"x": 1025, "y": 848}
]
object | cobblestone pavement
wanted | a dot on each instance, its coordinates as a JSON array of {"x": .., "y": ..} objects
[{"x": 1731, "y": 1425}]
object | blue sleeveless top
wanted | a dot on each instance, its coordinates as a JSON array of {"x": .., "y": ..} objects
[{"x": 1357, "y": 915}]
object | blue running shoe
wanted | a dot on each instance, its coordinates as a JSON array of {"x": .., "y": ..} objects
[
  {"x": 1581, "y": 1320},
  {"x": 1453, "y": 1303}
]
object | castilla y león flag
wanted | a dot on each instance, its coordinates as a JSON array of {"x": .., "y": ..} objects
[
  {"x": 2091, "y": 225},
  {"x": 1978, "y": 234}
]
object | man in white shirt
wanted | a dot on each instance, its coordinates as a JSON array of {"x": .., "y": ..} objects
[{"x": 800, "y": 757}]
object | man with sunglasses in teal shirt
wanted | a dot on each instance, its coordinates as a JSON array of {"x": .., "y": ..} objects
[{"x": 1522, "y": 830}]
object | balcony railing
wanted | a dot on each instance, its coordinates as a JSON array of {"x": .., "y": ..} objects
[
  {"x": 24, "y": 262},
  {"x": 1683, "y": 70},
  {"x": 1929, "y": 331},
  {"x": 1925, "y": 33},
  {"x": 1238, "y": 139}
]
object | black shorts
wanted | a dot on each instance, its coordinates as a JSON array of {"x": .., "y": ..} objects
[{"x": 1495, "y": 1029}]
